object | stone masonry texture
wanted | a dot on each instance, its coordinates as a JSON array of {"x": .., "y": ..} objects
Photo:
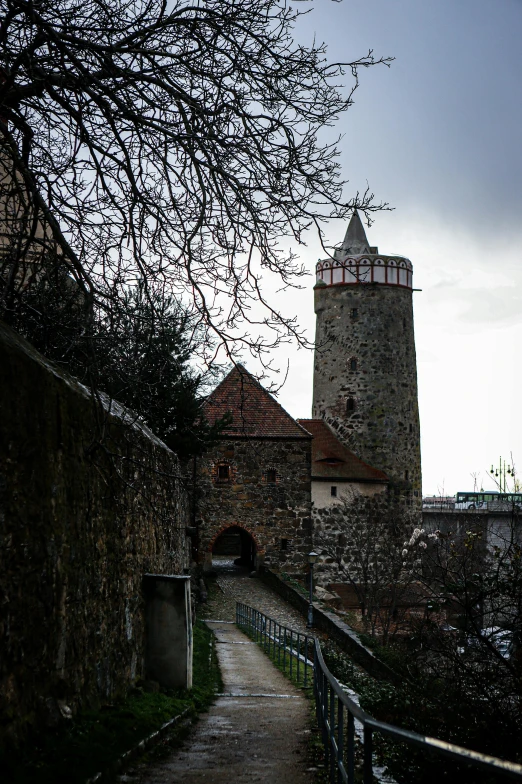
[
  {"x": 82, "y": 518},
  {"x": 373, "y": 325},
  {"x": 276, "y": 514}
]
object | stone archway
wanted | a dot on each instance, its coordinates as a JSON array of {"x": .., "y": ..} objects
[{"x": 235, "y": 542}]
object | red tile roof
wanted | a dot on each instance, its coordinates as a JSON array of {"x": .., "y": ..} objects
[
  {"x": 255, "y": 412},
  {"x": 331, "y": 459}
]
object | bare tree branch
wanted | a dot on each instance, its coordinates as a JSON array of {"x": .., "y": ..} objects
[{"x": 176, "y": 144}]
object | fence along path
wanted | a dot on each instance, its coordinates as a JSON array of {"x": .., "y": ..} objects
[
  {"x": 338, "y": 712},
  {"x": 256, "y": 731}
]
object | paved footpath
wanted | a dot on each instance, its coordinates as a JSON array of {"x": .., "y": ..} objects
[
  {"x": 235, "y": 585},
  {"x": 257, "y": 730}
]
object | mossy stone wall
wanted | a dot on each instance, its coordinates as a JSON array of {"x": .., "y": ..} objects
[{"x": 89, "y": 502}]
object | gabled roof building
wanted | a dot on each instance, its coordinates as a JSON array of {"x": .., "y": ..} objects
[
  {"x": 337, "y": 473},
  {"x": 363, "y": 439},
  {"x": 256, "y": 482}
]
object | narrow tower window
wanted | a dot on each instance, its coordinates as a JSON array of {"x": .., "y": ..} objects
[
  {"x": 333, "y": 491},
  {"x": 271, "y": 476},
  {"x": 223, "y": 473},
  {"x": 406, "y": 475},
  {"x": 353, "y": 364},
  {"x": 350, "y": 405},
  {"x": 354, "y": 313}
]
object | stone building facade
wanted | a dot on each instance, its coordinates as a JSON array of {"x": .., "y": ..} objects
[
  {"x": 283, "y": 486},
  {"x": 365, "y": 374},
  {"x": 256, "y": 481}
]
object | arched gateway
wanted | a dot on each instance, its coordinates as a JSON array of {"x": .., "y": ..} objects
[
  {"x": 256, "y": 481},
  {"x": 233, "y": 543}
]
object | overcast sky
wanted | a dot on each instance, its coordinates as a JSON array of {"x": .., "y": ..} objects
[{"x": 438, "y": 136}]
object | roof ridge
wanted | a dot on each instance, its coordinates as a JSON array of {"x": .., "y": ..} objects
[
  {"x": 251, "y": 416},
  {"x": 333, "y": 434}
]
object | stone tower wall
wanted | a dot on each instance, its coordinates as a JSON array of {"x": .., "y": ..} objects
[{"x": 371, "y": 324}]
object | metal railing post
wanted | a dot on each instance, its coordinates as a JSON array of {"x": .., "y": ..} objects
[
  {"x": 306, "y": 663},
  {"x": 331, "y": 722},
  {"x": 298, "y": 654},
  {"x": 340, "y": 740},
  {"x": 324, "y": 712},
  {"x": 351, "y": 748},
  {"x": 368, "y": 755}
]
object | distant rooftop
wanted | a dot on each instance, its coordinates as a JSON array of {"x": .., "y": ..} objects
[
  {"x": 332, "y": 460},
  {"x": 355, "y": 241},
  {"x": 256, "y": 414}
]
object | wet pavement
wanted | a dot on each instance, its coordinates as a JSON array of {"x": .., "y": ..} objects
[
  {"x": 235, "y": 585},
  {"x": 258, "y": 728},
  {"x": 256, "y": 731}
]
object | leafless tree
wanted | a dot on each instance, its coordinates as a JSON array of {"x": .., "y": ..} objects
[
  {"x": 174, "y": 142},
  {"x": 467, "y": 649},
  {"x": 375, "y": 553}
]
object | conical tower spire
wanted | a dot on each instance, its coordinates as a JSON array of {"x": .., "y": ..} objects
[{"x": 355, "y": 241}]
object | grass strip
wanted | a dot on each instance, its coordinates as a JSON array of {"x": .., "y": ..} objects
[{"x": 94, "y": 741}]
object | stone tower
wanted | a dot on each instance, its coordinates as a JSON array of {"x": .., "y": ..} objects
[{"x": 365, "y": 374}]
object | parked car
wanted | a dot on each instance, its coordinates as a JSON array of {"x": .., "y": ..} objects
[{"x": 501, "y": 639}]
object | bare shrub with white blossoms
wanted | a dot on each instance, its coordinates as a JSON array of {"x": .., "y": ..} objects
[{"x": 377, "y": 553}]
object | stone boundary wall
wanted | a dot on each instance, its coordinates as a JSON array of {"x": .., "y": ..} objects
[
  {"x": 347, "y": 639},
  {"x": 89, "y": 502}
]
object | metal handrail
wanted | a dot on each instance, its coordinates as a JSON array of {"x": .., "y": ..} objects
[
  {"x": 292, "y": 650},
  {"x": 337, "y": 712}
]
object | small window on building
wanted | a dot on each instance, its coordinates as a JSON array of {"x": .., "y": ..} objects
[
  {"x": 333, "y": 491},
  {"x": 271, "y": 476},
  {"x": 223, "y": 473},
  {"x": 284, "y": 544},
  {"x": 350, "y": 405},
  {"x": 353, "y": 364},
  {"x": 406, "y": 475},
  {"x": 411, "y": 428},
  {"x": 354, "y": 313}
]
